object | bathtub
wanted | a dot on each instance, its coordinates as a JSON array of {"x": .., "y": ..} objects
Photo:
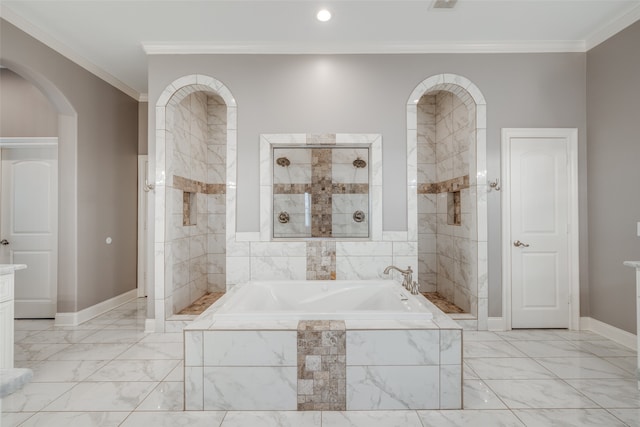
[
  {"x": 322, "y": 345},
  {"x": 322, "y": 300}
]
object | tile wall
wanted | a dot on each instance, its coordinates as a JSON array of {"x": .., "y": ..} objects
[
  {"x": 255, "y": 256},
  {"x": 446, "y": 133},
  {"x": 196, "y": 163}
]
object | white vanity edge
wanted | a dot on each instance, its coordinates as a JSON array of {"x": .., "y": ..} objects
[{"x": 10, "y": 268}]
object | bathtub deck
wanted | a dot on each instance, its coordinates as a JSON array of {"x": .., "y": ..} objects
[{"x": 389, "y": 364}]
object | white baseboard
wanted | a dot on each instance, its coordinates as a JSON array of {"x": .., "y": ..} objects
[
  {"x": 496, "y": 324},
  {"x": 75, "y": 318},
  {"x": 617, "y": 335}
]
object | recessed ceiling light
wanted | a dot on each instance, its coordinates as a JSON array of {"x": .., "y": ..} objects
[{"x": 324, "y": 15}]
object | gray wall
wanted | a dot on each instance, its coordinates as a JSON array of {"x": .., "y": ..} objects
[
  {"x": 24, "y": 110},
  {"x": 107, "y": 145},
  {"x": 368, "y": 94},
  {"x": 613, "y": 112}
]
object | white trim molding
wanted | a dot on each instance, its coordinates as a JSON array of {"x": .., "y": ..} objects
[
  {"x": 262, "y": 48},
  {"x": 28, "y": 141},
  {"x": 571, "y": 136},
  {"x": 612, "y": 28},
  {"x": 78, "y": 317},
  {"x": 617, "y": 335}
]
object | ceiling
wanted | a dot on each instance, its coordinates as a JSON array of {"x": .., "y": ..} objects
[{"x": 112, "y": 38}]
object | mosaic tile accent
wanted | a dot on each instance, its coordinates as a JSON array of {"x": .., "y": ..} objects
[
  {"x": 338, "y": 188},
  {"x": 450, "y": 185},
  {"x": 321, "y": 187},
  {"x": 321, "y": 260},
  {"x": 454, "y": 208},
  {"x": 186, "y": 208},
  {"x": 192, "y": 186},
  {"x": 322, "y": 372},
  {"x": 291, "y": 188}
]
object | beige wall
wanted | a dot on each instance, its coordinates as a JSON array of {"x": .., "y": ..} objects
[
  {"x": 613, "y": 148},
  {"x": 24, "y": 109},
  {"x": 107, "y": 145}
]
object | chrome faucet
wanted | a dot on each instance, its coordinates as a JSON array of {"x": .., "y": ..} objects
[{"x": 407, "y": 280}]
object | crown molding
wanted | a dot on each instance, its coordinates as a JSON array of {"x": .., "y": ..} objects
[
  {"x": 613, "y": 27},
  {"x": 152, "y": 48},
  {"x": 64, "y": 50},
  {"x": 144, "y": 97}
]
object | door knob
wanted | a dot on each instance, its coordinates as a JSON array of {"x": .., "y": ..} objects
[
  {"x": 4, "y": 242},
  {"x": 519, "y": 244}
]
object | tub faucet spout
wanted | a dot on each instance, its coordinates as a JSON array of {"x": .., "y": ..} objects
[{"x": 407, "y": 275}]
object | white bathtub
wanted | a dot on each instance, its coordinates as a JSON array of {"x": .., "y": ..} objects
[{"x": 322, "y": 300}]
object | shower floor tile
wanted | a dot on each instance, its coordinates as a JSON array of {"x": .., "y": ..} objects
[
  {"x": 443, "y": 304},
  {"x": 202, "y": 303}
]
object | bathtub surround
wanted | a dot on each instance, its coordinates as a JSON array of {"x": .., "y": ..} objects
[
  {"x": 273, "y": 363},
  {"x": 322, "y": 372}
]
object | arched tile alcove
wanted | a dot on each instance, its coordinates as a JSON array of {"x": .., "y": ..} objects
[
  {"x": 172, "y": 188},
  {"x": 471, "y": 99}
]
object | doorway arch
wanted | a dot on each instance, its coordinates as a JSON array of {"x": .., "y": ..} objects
[{"x": 67, "y": 200}]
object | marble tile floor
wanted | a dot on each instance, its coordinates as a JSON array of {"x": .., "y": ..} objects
[{"x": 108, "y": 372}]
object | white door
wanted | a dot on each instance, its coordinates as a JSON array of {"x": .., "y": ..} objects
[
  {"x": 29, "y": 227},
  {"x": 539, "y": 214}
]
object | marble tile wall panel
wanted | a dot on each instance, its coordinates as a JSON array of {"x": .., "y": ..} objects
[
  {"x": 409, "y": 347},
  {"x": 249, "y": 348},
  {"x": 250, "y": 388},
  {"x": 451, "y": 386},
  {"x": 362, "y": 267},
  {"x": 348, "y": 173},
  {"x": 279, "y": 268},
  {"x": 343, "y": 226},
  {"x": 193, "y": 348},
  {"x": 193, "y": 388},
  {"x": 393, "y": 387},
  {"x": 238, "y": 270}
]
